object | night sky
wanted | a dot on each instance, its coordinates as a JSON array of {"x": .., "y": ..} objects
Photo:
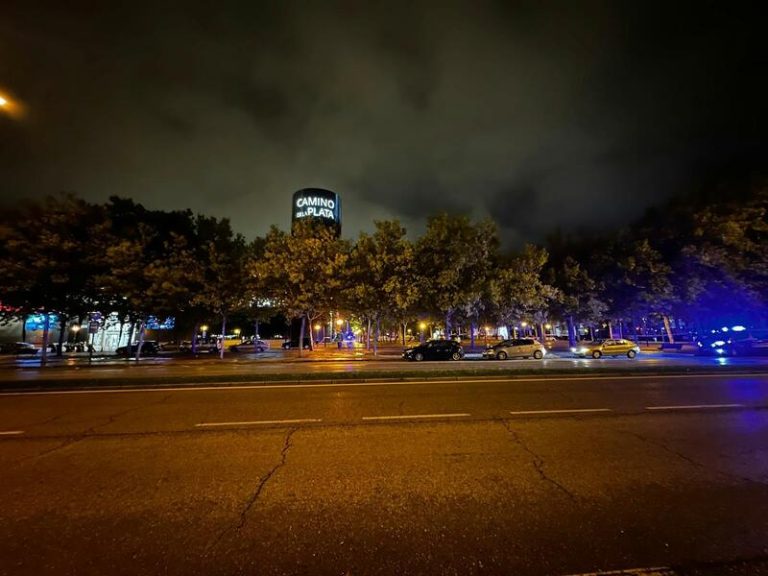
[{"x": 540, "y": 114}]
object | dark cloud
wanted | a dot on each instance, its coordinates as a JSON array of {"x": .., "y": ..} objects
[{"x": 537, "y": 114}]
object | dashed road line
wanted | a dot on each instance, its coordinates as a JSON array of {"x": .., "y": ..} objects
[
  {"x": 695, "y": 407},
  {"x": 11, "y": 432},
  {"x": 416, "y": 416},
  {"x": 655, "y": 571},
  {"x": 258, "y": 422},
  {"x": 563, "y": 411}
]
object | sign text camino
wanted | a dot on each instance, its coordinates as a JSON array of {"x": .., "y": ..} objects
[
  {"x": 319, "y": 205},
  {"x": 309, "y": 206}
]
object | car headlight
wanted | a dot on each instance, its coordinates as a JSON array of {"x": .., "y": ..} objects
[{"x": 583, "y": 350}]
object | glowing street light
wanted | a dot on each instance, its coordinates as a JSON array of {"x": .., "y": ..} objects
[
  {"x": 3, "y": 102},
  {"x": 237, "y": 331}
]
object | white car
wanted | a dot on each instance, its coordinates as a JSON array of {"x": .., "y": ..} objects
[{"x": 250, "y": 346}]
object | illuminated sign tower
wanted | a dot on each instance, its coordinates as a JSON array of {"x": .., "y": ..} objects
[{"x": 320, "y": 205}]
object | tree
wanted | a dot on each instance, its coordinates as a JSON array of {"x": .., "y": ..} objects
[
  {"x": 225, "y": 284},
  {"x": 149, "y": 267},
  {"x": 46, "y": 260},
  {"x": 518, "y": 291},
  {"x": 579, "y": 295},
  {"x": 302, "y": 272},
  {"x": 380, "y": 277},
  {"x": 454, "y": 258},
  {"x": 638, "y": 282}
]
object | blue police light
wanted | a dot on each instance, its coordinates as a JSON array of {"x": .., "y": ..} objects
[
  {"x": 720, "y": 351},
  {"x": 717, "y": 343},
  {"x": 724, "y": 328},
  {"x": 738, "y": 328}
]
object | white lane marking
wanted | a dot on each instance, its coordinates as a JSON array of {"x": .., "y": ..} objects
[
  {"x": 250, "y": 385},
  {"x": 415, "y": 416},
  {"x": 257, "y": 422},
  {"x": 695, "y": 406},
  {"x": 655, "y": 571},
  {"x": 573, "y": 411},
  {"x": 11, "y": 432}
]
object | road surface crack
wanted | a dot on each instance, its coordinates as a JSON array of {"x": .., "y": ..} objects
[
  {"x": 691, "y": 461},
  {"x": 666, "y": 448},
  {"x": 538, "y": 462},
  {"x": 254, "y": 497},
  {"x": 89, "y": 431}
]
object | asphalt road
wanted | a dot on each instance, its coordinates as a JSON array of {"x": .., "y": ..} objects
[
  {"x": 348, "y": 362},
  {"x": 556, "y": 476}
]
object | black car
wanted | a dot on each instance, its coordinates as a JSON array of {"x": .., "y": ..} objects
[
  {"x": 435, "y": 350},
  {"x": 19, "y": 348},
  {"x": 149, "y": 348},
  {"x": 294, "y": 344}
]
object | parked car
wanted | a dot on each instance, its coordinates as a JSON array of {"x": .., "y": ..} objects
[
  {"x": 435, "y": 350},
  {"x": 720, "y": 344},
  {"x": 293, "y": 344},
  {"x": 516, "y": 348},
  {"x": 611, "y": 347},
  {"x": 250, "y": 346},
  {"x": 19, "y": 348},
  {"x": 200, "y": 348},
  {"x": 148, "y": 348}
]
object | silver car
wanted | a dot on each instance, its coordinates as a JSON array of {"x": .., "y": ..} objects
[{"x": 516, "y": 348}]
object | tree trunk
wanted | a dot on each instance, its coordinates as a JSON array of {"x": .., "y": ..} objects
[
  {"x": 46, "y": 328},
  {"x": 311, "y": 339},
  {"x": 403, "y": 325},
  {"x": 120, "y": 333},
  {"x": 571, "y": 332},
  {"x": 668, "y": 328},
  {"x": 447, "y": 325},
  {"x": 62, "y": 329},
  {"x": 368, "y": 335},
  {"x": 610, "y": 329},
  {"x": 223, "y": 336},
  {"x": 193, "y": 343},
  {"x": 128, "y": 345},
  {"x": 301, "y": 334},
  {"x": 24, "y": 328},
  {"x": 141, "y": 340},
  {"x": 376, "y": 340},
  {"x": 472, "y": 335},
  {"x": 256, "y": 329}
]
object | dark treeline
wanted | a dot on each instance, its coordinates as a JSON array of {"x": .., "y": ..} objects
[{"x": 692, "y": 264}]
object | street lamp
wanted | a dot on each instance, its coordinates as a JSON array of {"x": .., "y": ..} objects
[
  {"x": 76, "y": 327},
  {"x": 204, "y": 329},
  {"x": 3, "y": 102},
  {"x": 237, "y": 332}
]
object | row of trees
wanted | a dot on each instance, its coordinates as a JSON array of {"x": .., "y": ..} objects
[{"x": 699, "y": 262}]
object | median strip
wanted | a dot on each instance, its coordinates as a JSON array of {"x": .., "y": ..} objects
[
  {"x": 564, "y": 411},
  {"x": 416, "y": 416},
  {"x": 695, "y": 407},
  {"x": 257, "y": 422},
  {"x": 11, "y": 432}
]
